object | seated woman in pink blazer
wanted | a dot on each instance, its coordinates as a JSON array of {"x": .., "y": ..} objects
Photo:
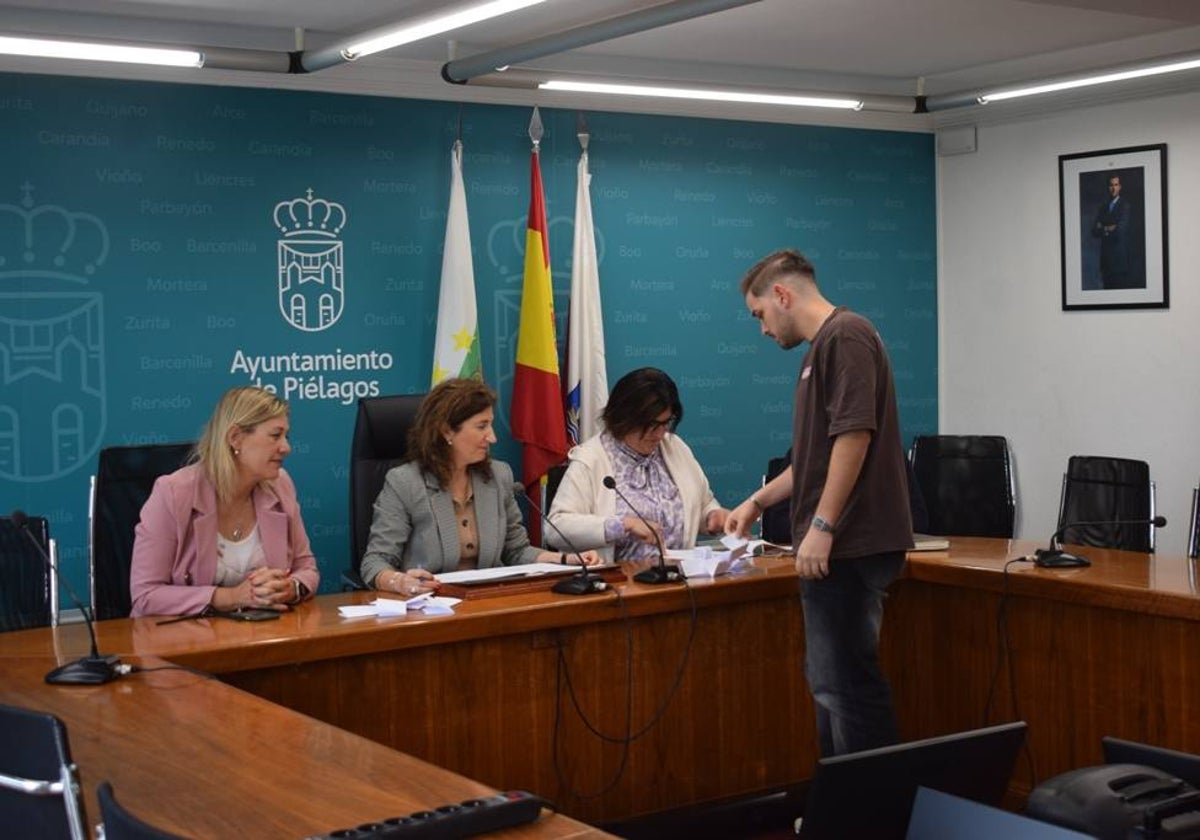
[{"x": 225, "y": 531}]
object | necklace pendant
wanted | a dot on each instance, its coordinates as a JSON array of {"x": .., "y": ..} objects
[{"x": 237, "y": 533}]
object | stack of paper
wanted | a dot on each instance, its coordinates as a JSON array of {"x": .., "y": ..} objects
[{"x": 704, "y": 561}]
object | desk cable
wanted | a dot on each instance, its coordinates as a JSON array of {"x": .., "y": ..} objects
[
  {"x": 1004, "y": 658},
  {"x": 563, "y": 677}
]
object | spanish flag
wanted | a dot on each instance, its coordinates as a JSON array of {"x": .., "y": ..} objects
[{"x": 537, "y": 416}]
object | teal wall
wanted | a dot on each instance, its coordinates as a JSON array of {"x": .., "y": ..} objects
[{"x": 139, "y": 264}]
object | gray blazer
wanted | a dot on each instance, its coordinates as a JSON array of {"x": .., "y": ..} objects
[{"x": 414, "y": 528}]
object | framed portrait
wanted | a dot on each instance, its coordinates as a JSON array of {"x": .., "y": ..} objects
[{"x": 1113, "y": 207}]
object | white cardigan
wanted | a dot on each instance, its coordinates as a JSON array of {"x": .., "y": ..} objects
[{"x": 583, "y": 503}]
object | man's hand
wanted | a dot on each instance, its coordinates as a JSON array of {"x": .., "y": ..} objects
[
  {"x": 740, "y": 519},
  {"x": 812, "y": 557}
]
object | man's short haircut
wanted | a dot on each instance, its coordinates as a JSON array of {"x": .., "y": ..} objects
[{"x": 774, "y": 266}]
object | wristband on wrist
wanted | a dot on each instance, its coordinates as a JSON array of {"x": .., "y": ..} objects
[
  {"x": 754, "y": 500},
  {"x": 822, "y": 524}
]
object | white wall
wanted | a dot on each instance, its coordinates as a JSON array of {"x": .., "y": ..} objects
[{"x": 1123, "y": 383}]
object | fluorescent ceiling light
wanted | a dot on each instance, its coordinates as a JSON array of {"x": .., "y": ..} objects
[
  {"x": 435, "y": 26},
  {"x": 708, "y": 95},
  {"x": 40, "y": 48},
  {"x": 1117, "y": 76}
]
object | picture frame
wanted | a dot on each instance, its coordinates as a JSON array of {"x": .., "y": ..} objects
[{"x": 1113, "y": 218}]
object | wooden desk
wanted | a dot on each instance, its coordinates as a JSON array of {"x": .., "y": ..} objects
[
  {"x": 484, "y": 692},
  {"x": 1112, "y": 649},
  {"x": 200, "y": 758},
  {"x": 1109, "y": 649}
]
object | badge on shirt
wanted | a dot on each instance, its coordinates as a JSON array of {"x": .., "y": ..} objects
[{"x": 805, "y": 372}]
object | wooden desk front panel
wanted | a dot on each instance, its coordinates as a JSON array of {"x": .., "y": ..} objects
[
  {"x": 1082, "y": 671},
  {"x": 740, "y": 722}
]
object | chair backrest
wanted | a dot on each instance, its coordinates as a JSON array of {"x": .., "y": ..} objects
[
  {"x": 124, "y": 477},
  {"x": 777, "y": 519},
  {"x": 39, "y": 784},
  {"x": 554, "y": 477},
  {"x": 967, "y": 484},
  {"x": 29, "y": 596},
  {"x": 120, "y": 824},
  {"x": 1194, "y": 525},
  {"x": 1102, "y": 490},
  {"x": 380, "y": 442}
]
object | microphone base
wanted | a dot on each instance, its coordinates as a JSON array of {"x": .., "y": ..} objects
[
  {"x": 90, "y": 670},
  {"x": 583, "y": 584},
  {"x": 1049, "y": 558},
  {"x": 659, "y": 574}
]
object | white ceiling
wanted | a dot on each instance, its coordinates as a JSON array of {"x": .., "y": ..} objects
[{"x": 862, "y": 46}]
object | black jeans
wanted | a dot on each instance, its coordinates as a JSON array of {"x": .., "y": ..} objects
[{"x": 842, "y": 616}]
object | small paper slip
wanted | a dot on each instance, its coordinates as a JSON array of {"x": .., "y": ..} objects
[
  {"x": 380, "y": 606},
  {"x": 427, "y": 603}
]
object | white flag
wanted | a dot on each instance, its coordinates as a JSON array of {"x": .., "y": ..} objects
[
  {"x": 587, "y": 378},
  {"x": 456, "y": 347}
]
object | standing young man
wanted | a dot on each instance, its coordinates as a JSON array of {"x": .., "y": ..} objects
[{"x": 850, "y": 515}]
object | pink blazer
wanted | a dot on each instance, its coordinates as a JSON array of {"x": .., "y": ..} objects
[{"x": 175, "y": 547}]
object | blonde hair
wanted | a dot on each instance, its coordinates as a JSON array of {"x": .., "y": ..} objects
[{"x": 244, "y": 407}]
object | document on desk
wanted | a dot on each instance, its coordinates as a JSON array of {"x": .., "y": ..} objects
[
  {"x": 505, "y": 572},
  {"x": 705, "y": 561}
]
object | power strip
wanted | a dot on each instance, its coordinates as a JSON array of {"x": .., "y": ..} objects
[{"x": 474, "y": 816}]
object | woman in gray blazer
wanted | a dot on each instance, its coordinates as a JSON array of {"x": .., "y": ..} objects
[{"x": 450, "y": 506}]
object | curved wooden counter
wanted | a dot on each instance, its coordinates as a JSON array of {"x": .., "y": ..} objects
[
  {"x": 1109, "y": 649},
  {"x": 485, "y": 692}
]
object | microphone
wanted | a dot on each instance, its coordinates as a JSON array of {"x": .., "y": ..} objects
[
  {"x": 583, "y": 583},
  {"x": 662, "y": 573},
  {"x": 92, "y": 669},
  {"x": 1055, "y": 558}
]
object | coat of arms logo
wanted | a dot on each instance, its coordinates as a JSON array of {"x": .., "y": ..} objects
[{"x": 312, "y": 286}]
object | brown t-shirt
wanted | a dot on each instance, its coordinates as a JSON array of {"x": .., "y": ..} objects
[{"x": 845, "y": 385}]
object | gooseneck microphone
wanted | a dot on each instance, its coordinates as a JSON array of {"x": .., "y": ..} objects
[
  {"x": 92, "y": 669},
  {"x": 582, "y": 583},
  {"x": 662, "y": 573},
  {"x": 1055, "y": 558}
]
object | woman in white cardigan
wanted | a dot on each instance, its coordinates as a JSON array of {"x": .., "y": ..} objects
[{"x": 651, "y": 466}]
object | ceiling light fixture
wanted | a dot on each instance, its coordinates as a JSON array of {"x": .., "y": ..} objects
[
  {"x": 408, "y": 33},
  {"x": 703, "y": 94},
  {"x": 94, "y": 51},
  {"x": 1087, "y": 81}
]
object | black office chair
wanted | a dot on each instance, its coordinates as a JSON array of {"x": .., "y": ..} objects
[
  {"x": 39, "y": 784},
  {"x": 120, "y": 824},
  {"x": 1098, "y": 489},
  {"x": 776, "y": 525},
  {"x": 124, "y": 477},
  {"x": 967, "y": 484},
  {"x": 29, "y": 596},
  {"x": 380, "y": 442},
  {"x": 1194, "y": 525}
]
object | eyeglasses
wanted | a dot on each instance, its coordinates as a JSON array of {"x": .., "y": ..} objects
[{"x": 668, "y": 424}]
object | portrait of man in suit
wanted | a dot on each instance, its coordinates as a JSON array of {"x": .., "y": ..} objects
[{"x": 1116, "y": 230}]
